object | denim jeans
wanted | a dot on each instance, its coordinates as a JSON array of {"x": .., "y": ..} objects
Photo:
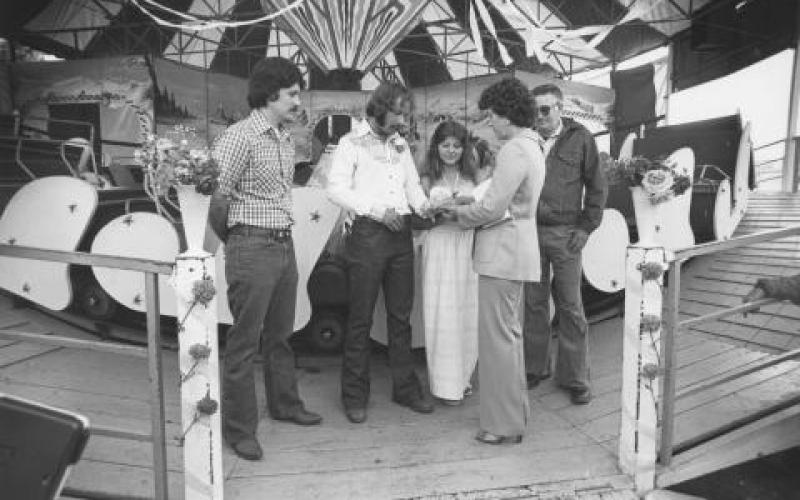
[
  {"x": 377, "y": 256},
  {"x": 262, "y": 286},
  {"x": 572, "y": 368}
]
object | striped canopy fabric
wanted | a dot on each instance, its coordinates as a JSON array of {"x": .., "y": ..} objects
[{"x": 352, "y": 34}]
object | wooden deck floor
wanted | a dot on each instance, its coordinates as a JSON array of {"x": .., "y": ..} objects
[
  {"x": 396, "y": 453},
  {"x": 568, "y": 450},
  {"x": 713, "y": 282}
]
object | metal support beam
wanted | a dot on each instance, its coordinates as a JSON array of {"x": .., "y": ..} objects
[
  {"x": 156, "y": 386},
  {"x": 790, "y": 160},
  {"x": 668, "y": 355}
]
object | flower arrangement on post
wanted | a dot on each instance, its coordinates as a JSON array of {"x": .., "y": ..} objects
[
  {"x": 178, "y": 159},
  {"x": 660, "y": 194},
  {"x": 181, "y": 161},
  {"x": 660, "y": 179}
]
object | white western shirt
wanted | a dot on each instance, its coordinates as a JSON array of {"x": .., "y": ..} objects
[{"x": 370, "y": 175}]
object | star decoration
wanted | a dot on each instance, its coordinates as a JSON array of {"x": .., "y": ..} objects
[
  {"x": 73, "y": 207},
  {"x": 315, "y": 216},
  {"x": 128, "y": 220},
  {"x": 26, "y": 288},
  {"x": 137, "y": 299}
]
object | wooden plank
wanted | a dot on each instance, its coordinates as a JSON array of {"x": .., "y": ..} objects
[
  {"x": 708, "y": 397},
  {"x": 698, "y": 414},
  {"x": 765, "y": 261},
  {"x": 21, "y": 351},
  {"x": 96, "y": 373},
  {"x": 105, "y": 410},
  {"x": 754, "y": 270},
  {"x": 505, "y": 469},
  {"x": 119, "y": 481},
  {"x": 770, "y": 435}
]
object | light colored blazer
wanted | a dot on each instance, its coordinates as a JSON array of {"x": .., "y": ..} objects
[{"x": 509, "y": 249}]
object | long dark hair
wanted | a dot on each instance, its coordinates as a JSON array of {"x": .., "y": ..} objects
[{"x": 434, "y": 168}]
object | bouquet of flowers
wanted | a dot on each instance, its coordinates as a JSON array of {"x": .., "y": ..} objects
[
  {"x": 660, "y": 179},
  {"x": 176, "y": 160}
]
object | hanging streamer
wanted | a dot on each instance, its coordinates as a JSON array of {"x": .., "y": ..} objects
[
  {"x": 636, "y": 10},
  {"x": 476, "y": 32},
  {"x": 198, "y": 24},
  {"x": 533, "y": 47},
  {"x": 487, "y": 20}
]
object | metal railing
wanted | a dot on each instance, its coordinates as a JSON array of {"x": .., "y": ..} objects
[
  {"x": 674, "y": 325},
  {"x": 152, "y": 352}
]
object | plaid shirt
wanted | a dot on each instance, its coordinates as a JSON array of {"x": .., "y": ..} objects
[{"x": 256, "y": 163}]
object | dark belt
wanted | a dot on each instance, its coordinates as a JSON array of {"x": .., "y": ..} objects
[
  {"x": 277, "y": 234},
  {"x": 406, "y": 218}
]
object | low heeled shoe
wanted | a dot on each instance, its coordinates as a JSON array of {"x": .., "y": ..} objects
[
  {"x": 356, "y": 415},
  {"x": 489, "y": 438},
  {"x": 302, "y": 417},
  {"x": 417, "y": 404},
  {"x": 248, "y": 449}
]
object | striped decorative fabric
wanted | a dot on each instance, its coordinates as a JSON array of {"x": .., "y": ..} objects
[{"x": 347, "y": 33}]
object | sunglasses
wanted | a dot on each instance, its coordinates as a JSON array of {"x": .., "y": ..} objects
[{"x": 545, "y": 110}]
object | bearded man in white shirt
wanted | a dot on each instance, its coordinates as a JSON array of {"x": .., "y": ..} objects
[{"x": 373, "y": 177}]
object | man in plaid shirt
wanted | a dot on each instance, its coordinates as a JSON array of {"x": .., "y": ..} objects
[{"x": 256, "y": 156}]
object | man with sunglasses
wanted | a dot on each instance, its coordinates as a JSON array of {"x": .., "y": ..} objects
[{"x": 570, "y": 208}]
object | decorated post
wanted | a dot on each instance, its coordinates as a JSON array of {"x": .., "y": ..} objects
[
  {"x": 173, "y": 163},
  {"x": 641, "y": 364},
  {"x": 661, "y": 192}
]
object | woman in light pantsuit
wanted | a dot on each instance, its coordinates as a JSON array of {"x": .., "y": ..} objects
[{"x": 506, "y": 255}]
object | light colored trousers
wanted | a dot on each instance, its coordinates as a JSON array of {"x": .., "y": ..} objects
[{"x": 504, "y": 407}]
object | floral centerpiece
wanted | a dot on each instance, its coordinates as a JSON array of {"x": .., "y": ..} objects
[
  {"x": 660, "y": 179},
  {"x": 181, "y": 161},
  {"x": 178, "y": 159}
]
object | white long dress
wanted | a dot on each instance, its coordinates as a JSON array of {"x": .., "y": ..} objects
[{"x": 450, "y": 304}]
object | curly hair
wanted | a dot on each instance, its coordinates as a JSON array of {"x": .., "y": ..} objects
[
  {"x": 434, "y": 167},
  {"x": 384, "y": 99},
  {"x": 509, "y": 98},
  {"x": 269, "y": 76}
]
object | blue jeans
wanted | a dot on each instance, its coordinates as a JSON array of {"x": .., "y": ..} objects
[
  {"x": 572, "y": 368},
  {"x": 378, "y": 257},
  {"x": 262, "y": 286}
]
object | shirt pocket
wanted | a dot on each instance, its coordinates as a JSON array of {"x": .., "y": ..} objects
[{"x": 569, "y": 165}]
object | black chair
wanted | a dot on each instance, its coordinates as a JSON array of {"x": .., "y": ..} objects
[{"x": 38, "y": 445}]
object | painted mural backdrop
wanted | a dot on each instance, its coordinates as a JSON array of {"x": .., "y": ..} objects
[
  {"x": 221, "y": 100},
  {"x": 458, "y": 100},
  {"x": 120, "y": 87},
  {"x": 210, "y": 102}
]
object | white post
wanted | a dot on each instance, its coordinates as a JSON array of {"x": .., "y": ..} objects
[
  {"x": 789, "y": 173},
  {"x": 641, "y": 364},
  {"x": 199, "y": 366}
]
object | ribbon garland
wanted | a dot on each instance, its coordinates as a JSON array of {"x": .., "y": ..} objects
[{"x": 198, "y": 24}]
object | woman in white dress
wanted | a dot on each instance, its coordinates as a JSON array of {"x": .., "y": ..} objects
[{"x": 449, "y": 285}]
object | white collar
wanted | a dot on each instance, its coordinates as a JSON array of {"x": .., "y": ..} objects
[
  {"x": 556, "y": 133},
  {"x": 363, "y": 128}
]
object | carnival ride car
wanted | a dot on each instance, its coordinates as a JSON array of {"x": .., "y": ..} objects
[
  {"x": 723, "y": 172},
  {"x": 43, "y": 176}
]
